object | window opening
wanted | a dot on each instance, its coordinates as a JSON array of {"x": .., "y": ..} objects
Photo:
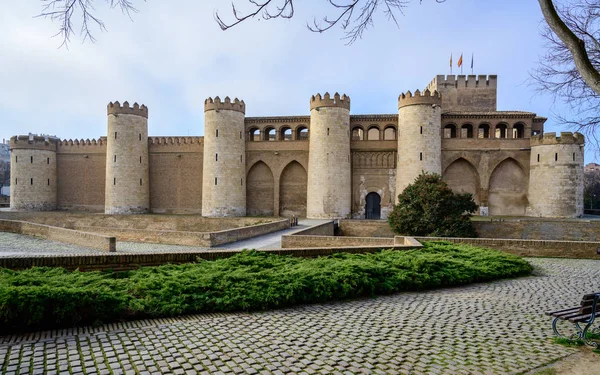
[{"x": 420, "y": 156}]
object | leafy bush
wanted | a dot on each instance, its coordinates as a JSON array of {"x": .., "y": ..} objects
[
  {"x": 428, "y": 207},
  {"x": 44, "y": 298}
]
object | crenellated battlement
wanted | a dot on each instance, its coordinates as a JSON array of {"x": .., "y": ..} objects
[
  {"x": 117, "y": 109},
  {"x": 33, "y": 142},
  {"x": 552, "y": 139},
  {"x": 82, "y": 142},
  {"x": 216, "y": 104},
  {"x": 318, "y": 101},
  {"x": 166, "y": 141},
  {"x": 463, "y": 81},
  {"x": 425, "y": 98}
]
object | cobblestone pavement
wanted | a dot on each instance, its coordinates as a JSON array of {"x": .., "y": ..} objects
[{"x": 489, "y": 328}]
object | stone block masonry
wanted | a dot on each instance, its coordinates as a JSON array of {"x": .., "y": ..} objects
[{"x": 74, "y": 237}]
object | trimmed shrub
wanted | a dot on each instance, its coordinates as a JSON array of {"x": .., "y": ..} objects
[
  {"x": 428, "y": 207},
  {"x": 45, "y": 298}
]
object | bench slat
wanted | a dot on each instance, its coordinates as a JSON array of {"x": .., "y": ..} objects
[
  {"x": 562, "y": 312},
  {"x": 580, "y": 318}
]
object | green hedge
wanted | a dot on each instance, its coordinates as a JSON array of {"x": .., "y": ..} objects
[{"x": 45, "y": 298}]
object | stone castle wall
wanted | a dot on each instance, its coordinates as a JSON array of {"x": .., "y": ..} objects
[
  {"x": 327, "y": 162},
  {"x": 466, "y": 93}
]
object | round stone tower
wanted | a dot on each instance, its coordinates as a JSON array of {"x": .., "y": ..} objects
[
  {"x": 556, "y": 175},
  {"x": 419, "y": 137},
  {"x": 127, "y": 181},
  {"x": 224, "y": 165},
  {"x": 329, "y": 173},
  {"x": 33, "y": 173}
]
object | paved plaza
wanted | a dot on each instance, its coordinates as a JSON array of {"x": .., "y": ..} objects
[{"x": 490, "y": 328}]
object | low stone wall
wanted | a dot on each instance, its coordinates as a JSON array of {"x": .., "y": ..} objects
[
  {"x": 531, "y": 248},
  {"x": 300, "y": 241},
  {"x": 325, "y": 229},
  {"x": 238, "y": 234},
  {"x": 188, "y": 238},
  {"x": 74, "y": 237},
  {"x": 123, "y": 262},
  {"x": 540, "y": 229},
  {"x": 366, "y": 228}
]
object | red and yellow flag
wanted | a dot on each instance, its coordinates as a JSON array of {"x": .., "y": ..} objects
[{"x": 460, "y": 61}]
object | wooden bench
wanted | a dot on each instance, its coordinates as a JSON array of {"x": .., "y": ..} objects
[{"x": 585, "y": 313}]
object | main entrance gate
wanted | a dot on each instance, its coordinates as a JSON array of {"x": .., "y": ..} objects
[{"x": 373, "y": 207}]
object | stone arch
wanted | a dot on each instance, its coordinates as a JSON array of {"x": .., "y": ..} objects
[
  {"x": 462, "y": 177},
  {"x": 518, "y": 130},
  {"x": 292, "y": 190},
  {"x": 466, "y": 130},
  {"x": 302, "y": 133},
  {"x": 484, "y": 130},
  {"x": 373, "y": 133},
  {"x": 285, "y": 133},
  {"x": 260, "y": 190},
  {"x": 358, "y": 133},
  {"x": 389, "y": 133},
  {"x": 254, "y": 134},
  {"x": 449, "y": 131},
  {"x": 270, "y": 133},
  {"x": 501, "y": 130},
  {"x": 508, "y": 189}
]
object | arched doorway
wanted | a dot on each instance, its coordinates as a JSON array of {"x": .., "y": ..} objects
[
  {"x": 292, "y": 190},
  {"x": 260, "y": 191},
  {"x": 373, "y": 207},
  {"x": 462, "y": 177},
  {"x": 508, "y": 189}
]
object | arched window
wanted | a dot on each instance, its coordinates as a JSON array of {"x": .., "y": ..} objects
[
  {"x": 483, "y": 131},
  {"x": 501, "y": 131},
  {"x": 286, "y": 134},
  {"x": 358, "y": 134},
  {"x": 466, "y": 131},
  {"x": 373, "y": 133},
  {"x": 518, "y": 131},
  {"x": 302, "y": 133},
  {"x": 389, "y": 133},
  {"x": 254, "y": 135},
  {"x": 270, "y": 134},
  {"x": 450, "y": 131}
]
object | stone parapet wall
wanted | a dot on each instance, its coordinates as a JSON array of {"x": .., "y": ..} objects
[
  {"x": 365, "y": 228},
  {"x": 188, "y": 238},
  {"x": 540, "y": 229},
  {"x": 308, "y": 241},
  {"x": 531, "y": 248},
  {"x": 325, "y": 229},
  {"x": 74, "y": 237}
]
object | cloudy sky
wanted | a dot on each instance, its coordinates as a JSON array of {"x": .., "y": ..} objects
[{"x": 174, "y": 55}]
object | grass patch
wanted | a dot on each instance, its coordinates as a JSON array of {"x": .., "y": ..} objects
[{"x": 45, "y": 298}]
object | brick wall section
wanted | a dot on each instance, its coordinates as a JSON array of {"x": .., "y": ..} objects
[
  {"x": 90, "y": 240},
  {"x": 560, "y": 230},
  {"x": 526, "y": 229},
  {"x": 232, "y": 235},
  {"x": 532, "y": 248},
  {"x": 189, "y": 238},
  {"x": 365, "y": 228},
  {"x": 122, "y": 262},
  {"x": 325, "y": 229},
  {"x": 295, "y": 241}
]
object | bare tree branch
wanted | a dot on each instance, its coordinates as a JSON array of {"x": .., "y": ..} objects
[
  {"x": 574, "y": 43},
  {"x": 353, "y": 16},
  {"x": 558, "y": 73},
  {"x": 63, "y": 12}
]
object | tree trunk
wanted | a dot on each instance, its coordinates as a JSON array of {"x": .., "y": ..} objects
[{"x": 577, "y": 46}]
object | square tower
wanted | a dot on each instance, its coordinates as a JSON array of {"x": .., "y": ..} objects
[{"x": 466, "y": 93}]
